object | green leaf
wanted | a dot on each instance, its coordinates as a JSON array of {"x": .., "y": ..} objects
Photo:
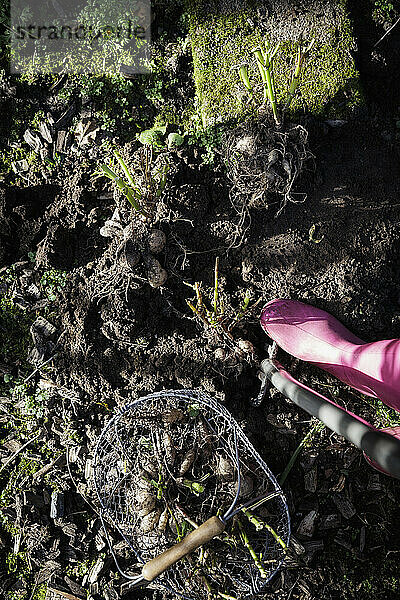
[
  {"x": 175, "y": 140},
  {"x": 244, "y": 76},
  {"x": 153, "y": 137},
  {"x": 193, "y": 410},
  {"x": 197, "y": 487}
]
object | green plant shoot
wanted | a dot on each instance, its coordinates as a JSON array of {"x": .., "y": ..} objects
[
  {"x": 302, "y": 54},
  {"x": 244, "y": 76},
  {"x": 130, "y": 190},
  {"x": 265, "y": 59},
  {"x": 246, "y": 542}
]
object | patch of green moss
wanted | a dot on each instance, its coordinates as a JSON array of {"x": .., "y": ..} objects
[
  {"x": 53, "y": 282},
  {"x": 354, "y": 581},
  {"x": 16, "y": 562},
  {"x": 40, "y": 592},
  {"x": 220, "y": 42},
  {"x": 82, "y": 568},
  {"x": 382, "y": 11},
  {"x": 19, "y": 565},
  {"x": 14, "y": 328},
  {"x": 11, "y": 155}
]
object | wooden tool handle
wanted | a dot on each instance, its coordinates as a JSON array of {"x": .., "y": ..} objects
[{"x": 192, "y": 541}]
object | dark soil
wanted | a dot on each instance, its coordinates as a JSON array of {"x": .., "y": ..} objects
[{"x": 132, "y": 339}]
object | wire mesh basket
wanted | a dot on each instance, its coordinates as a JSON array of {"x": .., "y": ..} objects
[{"x": 172, "y": 460}]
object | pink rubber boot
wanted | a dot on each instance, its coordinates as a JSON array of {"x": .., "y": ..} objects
[{"x": 315, "y": 336}]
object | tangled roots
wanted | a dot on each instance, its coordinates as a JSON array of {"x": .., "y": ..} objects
[{"x": 264, "y": 164}]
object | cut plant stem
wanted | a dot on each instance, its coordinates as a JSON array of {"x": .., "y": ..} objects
[
  {"x": 265, "y": 66},
  {"x": 197, "y": 313},
  {"x": 130, "y": 193},
  {"x": 254, "y": 520},
  {"x": 254, "y": 556},
  {"x": 212, "y": 316},
  {"x": 259, "y": 525},
  {"x": 260, "y": 63},
  {"x": 314, "y": 429},
  {"x": 244, "y": 76},
  {"x": 269, "y": 56},
  {"x": 302, "y": 54},
  {"x": 216, "y": 287},
  {"x": 124, "y": 168}
]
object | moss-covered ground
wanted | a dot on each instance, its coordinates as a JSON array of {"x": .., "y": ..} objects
[{"x": 222, "y": 39}]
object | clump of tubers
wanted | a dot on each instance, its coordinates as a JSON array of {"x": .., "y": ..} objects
[{"x": 137, "y": 246}]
